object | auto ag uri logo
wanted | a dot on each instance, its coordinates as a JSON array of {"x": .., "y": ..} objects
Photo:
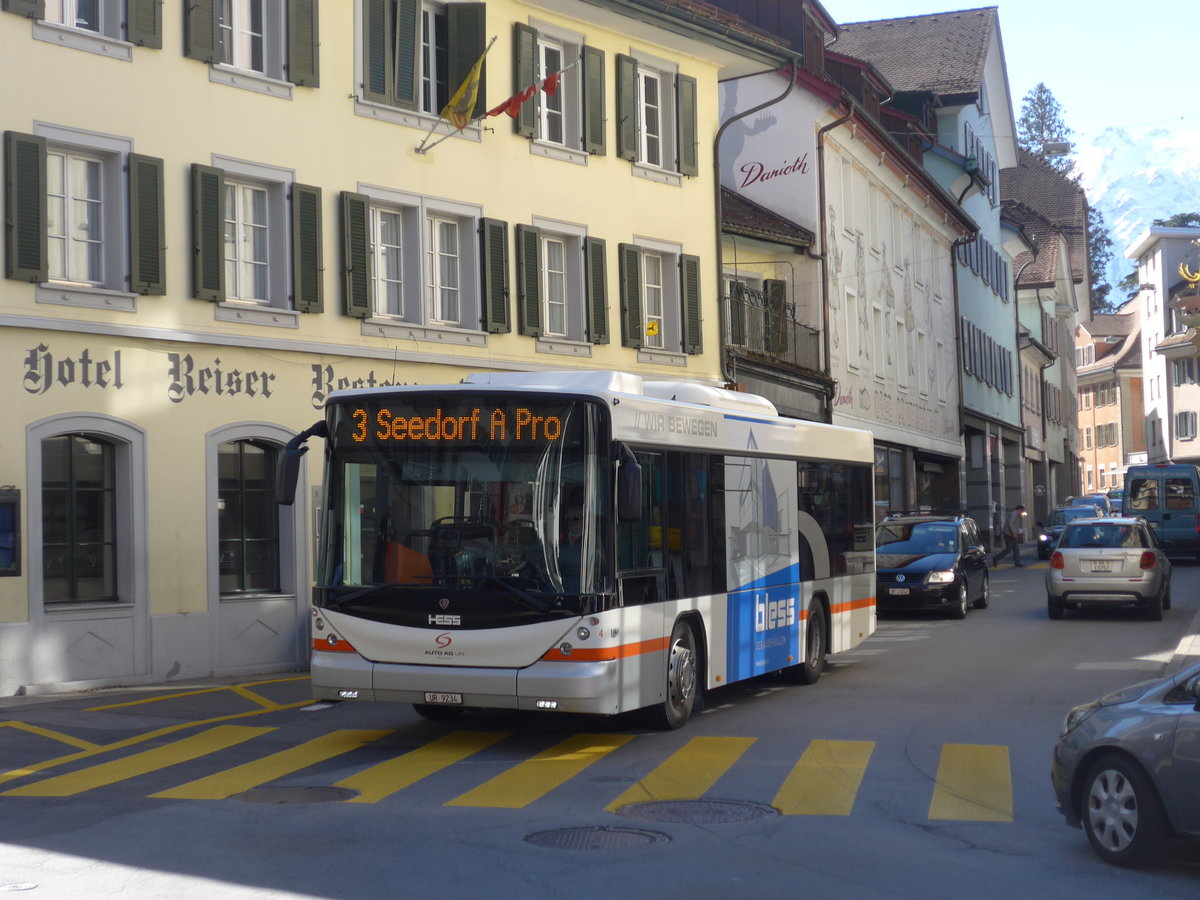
[{"x": 444, "y": 640}]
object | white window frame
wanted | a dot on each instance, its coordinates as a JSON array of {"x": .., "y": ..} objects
[
  {"x": 554, "y": 283},
  {"x": 669, "y": 339},
  {"x": 233, "y": 28},
  {"x": 245, "y": 258},
  {"x": 76, "y": 207},
  {"x": 276, "y": 182},
  {"x": 108, "y": 38},
  {"x": 111, "y": 291},
  {"x": 1185, "y": 425},
  {"x": 663, "y": 73}
]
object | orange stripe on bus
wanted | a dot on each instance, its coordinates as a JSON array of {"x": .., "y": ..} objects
[
  {"x": 342, "y": 646},
  {"x": 603, "y": 654},
  {"x": 861, "y": 603}
]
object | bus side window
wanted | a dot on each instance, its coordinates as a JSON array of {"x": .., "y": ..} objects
[{"x": 640, "y": 543}]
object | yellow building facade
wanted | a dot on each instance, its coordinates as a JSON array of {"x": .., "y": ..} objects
[{"x": 212, "y": 224}]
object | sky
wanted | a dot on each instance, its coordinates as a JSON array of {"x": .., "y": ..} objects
[{"x": 1132, "y": 65}]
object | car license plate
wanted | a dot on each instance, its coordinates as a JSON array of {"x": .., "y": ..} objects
[
  {"x": 898, "y": 592},
  {"x": 443, "y": 699},
  {"x": 1101, "y": 565}
]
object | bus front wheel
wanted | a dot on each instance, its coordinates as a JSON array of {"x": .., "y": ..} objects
[{"x": 676, "y": 709}]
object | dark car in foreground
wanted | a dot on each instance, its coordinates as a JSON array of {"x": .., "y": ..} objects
[
  {"x": 1109, "y": 561},
  {"x": 1050, "y": 530},
  {"x": 930, "y": 562},
  {"x": 1127, "y": 768}
]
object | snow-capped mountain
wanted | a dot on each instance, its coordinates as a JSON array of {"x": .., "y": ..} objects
[{"x": 1134, "y": 179}]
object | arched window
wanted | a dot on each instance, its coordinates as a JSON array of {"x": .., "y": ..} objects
[
  {"x": 79, "y": 519},
  {"x": 248, "y": 518}
]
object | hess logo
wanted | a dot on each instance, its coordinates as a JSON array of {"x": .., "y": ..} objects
[
  {"x": 444, "y": 619},
  {"x": 774, "y": 613}
]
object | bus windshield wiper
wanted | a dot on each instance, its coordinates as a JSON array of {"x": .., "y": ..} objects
[{"x": 531, "y": 601}]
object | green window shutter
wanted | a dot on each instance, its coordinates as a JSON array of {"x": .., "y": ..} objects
[
  {"x": 737, "y": 313},
  {"x": 30, "y": 9},
  {"x": 303, "y": 43},
  {"x": 147, "y": 226},
  {"x": 593, "y": 101},
  {"x": 493, "y": 237},
  {"x": 631, "y": 295},
  {"x": 403, "y": 57},
  {"x": 208, "y": 233},
  {"x": 465, "y": 24},
  {"x": 200, "y": 30},
  {"x": 524, "y": 73},
  {"x": 144, "y": 23},
  {"x": 689, "y": 268},
  {"x": 627, "y": 107},
  {"x": 777, "y": 322},
  {"x": 685, "y": 103},
  {"x": 375, "y": 51},
  {"x": 596, "y": 282},
  {"x": 25, "y": 207},
  {"x": 356, "y": 263},
  {"x": 529, "y": 280},
  {"x": 308, "y": 266}
]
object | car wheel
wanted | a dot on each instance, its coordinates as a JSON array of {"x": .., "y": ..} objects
[
  {"x": 1154, "y": 608},
  {"x": 676, "y": 709},
  {"x": 1167, "y": 597},
  {"x": 959, "y": 609},
  {"x": 1121, "y": 813},
  {"x": 1054, "y": 608},
  {"x": 985, "y": 594}
]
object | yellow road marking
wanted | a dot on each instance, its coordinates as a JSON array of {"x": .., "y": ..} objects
[
  {"x": 236, "y": 688},
  {"x": 522, "y": 784},
  {"x": 132, "y": 741},
  {"x": 241, "y": 778},
  {"x": 127, "y": 767},
  {"x": 825, "y": 780},
  {"x": 688, "y": 773},
  {"x": 974, "y": 784},
  {"x": 53, "y": 735},
  {"x": 394, "y": 775}
]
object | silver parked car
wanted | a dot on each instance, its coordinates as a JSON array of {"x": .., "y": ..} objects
[
  {"x": 1126, "y": 768},
  {"x": 1113, "y": 560}
]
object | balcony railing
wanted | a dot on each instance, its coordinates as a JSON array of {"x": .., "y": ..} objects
[{"x": 763, "y": 324}]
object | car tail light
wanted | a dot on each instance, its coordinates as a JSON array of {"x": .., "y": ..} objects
[
  {"x": 1149, "y": 559},
  {"x": 1057, "y": 561}
]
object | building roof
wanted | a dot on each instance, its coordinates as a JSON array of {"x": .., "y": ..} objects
[
  {"x": 942, "y": 53},
  {"x": 713, "y": 18},
  {"x": 1045, "y": 203},
  {"x": 1110, "y": 326},
  {"x": 748, "y": 219},
  {"x": 1127, "y": 329}
]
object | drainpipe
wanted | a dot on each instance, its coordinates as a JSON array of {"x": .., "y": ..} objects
[
  {"x": 721, "y": 310},
  {"x": 824, "y": 255}
]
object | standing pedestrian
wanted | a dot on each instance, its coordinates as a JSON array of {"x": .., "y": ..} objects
[{"x": 1013, "y": 533}]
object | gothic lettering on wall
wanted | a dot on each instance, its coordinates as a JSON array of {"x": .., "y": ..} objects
[
  {"x": 186, "y": 379},
  {"x": 325, "y": 381},
  {"x": 43, "y": 370}
]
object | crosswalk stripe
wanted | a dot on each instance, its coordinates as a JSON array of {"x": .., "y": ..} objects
[
  {"x": 688, "y": 773},
  {"x": 392, "y": 775},
  {"x": 522, "y": 784},
  {"x": 252, "y": 774},
  {"x": 825, "y": 781},
  {"x": 189, "y": 748},
  {"x": 974, "y": 784}
]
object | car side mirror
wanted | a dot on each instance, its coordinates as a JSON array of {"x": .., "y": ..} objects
[{"x": 1192, "y": 689}]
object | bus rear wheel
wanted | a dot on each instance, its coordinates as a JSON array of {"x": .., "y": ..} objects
[
  {"x": 682, "y": 667},
  {"x": 809, "y": 671}
]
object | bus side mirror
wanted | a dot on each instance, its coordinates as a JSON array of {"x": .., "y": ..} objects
[
  {"x": 629, "y": 486},
  {"x": 287, "y": 473}
]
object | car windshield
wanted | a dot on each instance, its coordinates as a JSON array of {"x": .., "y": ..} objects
[
  {"x": 917, "y": 537},
  {"x": 1063, "y": 516},
  {"x": 1103, "y": 534}
]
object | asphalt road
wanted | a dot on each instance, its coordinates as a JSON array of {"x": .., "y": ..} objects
[{"x": 917, "y": 767}]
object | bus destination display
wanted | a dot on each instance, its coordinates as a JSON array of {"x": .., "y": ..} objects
[{"x": 471, "y": 424}]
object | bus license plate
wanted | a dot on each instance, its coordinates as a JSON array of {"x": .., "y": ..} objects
[
  {"x": 443, "y": 699},
  {"x": 898, "y": 592}
]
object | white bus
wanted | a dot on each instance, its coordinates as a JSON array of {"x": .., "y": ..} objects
[{"x": 586, "y": 542}]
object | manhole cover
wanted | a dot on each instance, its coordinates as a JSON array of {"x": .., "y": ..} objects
[
  {"x": 595, "y": 838},
  {"x": 298, "y": 794},
  {"x": 697, "y": 812}
]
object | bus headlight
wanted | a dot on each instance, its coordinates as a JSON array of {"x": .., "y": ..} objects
[
  {"x": 582, "y": 633},
  {"x": 565, "y": 649}
]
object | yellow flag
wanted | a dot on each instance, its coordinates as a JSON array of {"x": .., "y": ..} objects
[{"x": 458, "y": 111}]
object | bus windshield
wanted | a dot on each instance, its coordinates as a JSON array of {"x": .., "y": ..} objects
[{"x": 464, "y": 492}]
